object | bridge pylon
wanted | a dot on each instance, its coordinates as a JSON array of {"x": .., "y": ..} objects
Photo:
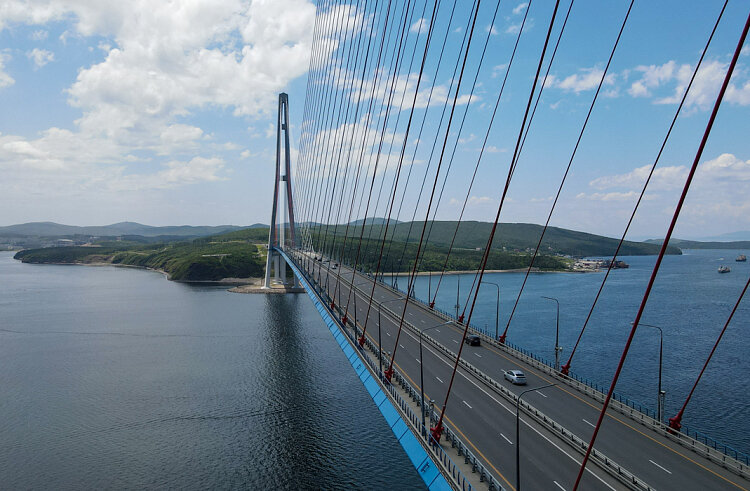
[{"x": 277, "y": 235}]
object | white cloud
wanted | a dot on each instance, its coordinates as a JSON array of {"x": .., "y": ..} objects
[
  {"x": 519, "y": 8},
  {"x": 726, "y": 166},
  {"x": 5, "y": 79},
  {"x": 586, "y": 79},
  {"x": 491, "y": 29},
  {"x": 653, "y": 76},
  {"x": 663, "y": 178},
  {"x": 421, "y": 26},
  {"x": 613, "y": 196},
  {"x": 515, "y": 28},
  {"x": 40, "y": 57}
]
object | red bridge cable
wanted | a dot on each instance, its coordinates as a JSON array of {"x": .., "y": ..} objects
[
  {"x": 369, "y": 114},
  {"x": 565, "y": 369},
  {"x": 567, "y": 171},
  {"x": 481, "y": 153},
  {"x": 463, "y": 119},
  {"x": 401, "y": 106},
  {"x": 389, "y": 371},
  {"x": 397, "y": 72},
  {"x": 315, "y": 156},
  {"x": 437, "y": 430},
  {"x": 523, "y": 142},
  {"x": 676, "y": 421},
  {"x": 333, "y": 197},
  {"x": 452, "y": 79},
  {"x": 334, "y": 134},
  {"x": 386, "y": 16},
  {"x": 310, "y": 137},
  {"x": 458, "y": 136},
  {"x": 421, "y": 130},
  {"x": 430, "y": 31},
  {"x": 664, "y": 245}
]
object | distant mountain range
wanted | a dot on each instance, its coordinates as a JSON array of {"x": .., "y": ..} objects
[
  {"x": 51, "y": 229},
  {"x": 695, "y": 244}
]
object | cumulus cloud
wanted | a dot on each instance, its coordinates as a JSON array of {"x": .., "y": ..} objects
[
  {"x": 40, "y": 57},
  {"x": 519, "y": 8},
  {"x": 664, "y": 178},
  {"x": 421, "y": 26},
  {"x": 586, "y": 79},
  {"x": 162, "y": 63},
  {"x": 726, "y": 166}
]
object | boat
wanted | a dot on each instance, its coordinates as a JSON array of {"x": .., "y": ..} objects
[
  {"x": 741, "y": 258},
  {"x": 724, "y": 269}
]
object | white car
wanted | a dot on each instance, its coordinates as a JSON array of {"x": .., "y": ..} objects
[{"x": 515, "y": 376}]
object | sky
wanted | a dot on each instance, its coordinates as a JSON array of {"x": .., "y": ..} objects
[{"x": 164, "y": 113}]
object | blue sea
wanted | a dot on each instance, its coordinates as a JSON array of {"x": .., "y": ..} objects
[{"x": 117, "y": 378}]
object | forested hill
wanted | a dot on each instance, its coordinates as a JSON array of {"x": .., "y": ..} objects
[{"x": 514, "y": 237}]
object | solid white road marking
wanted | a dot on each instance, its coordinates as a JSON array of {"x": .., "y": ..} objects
[
  {"x": 439, "y": 380},
  {"x": 478, "y": 355},
  {"x": 540, "y": 393},
  {"x": 589, "y": 423},
  {"x": 506, "y": 439},
  {"x": 455, "y": 341},
  {"x": 558, "y": 485},
  {"x": 437, "y": 330},
  {"x": 467, "y": 405},
  {"x": 388, "y": 333},
  {"x": 660, "y": 467},
  {"x": 401, "y": 345},
  {"x": 417, "y": 360}
]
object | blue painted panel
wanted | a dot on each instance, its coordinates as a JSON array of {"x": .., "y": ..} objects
[
  {"x": 389, "y": 413},
  {"x": 378, "y": 399},
  {"x": 399, "y": 429},
  {"x": 439, "y": 484},
  {"x": 348, "y": 351},
  {"x": 414, "y": 450},
  {"x": 372, "y": 387},
  {"x": 359, "y": 367}
]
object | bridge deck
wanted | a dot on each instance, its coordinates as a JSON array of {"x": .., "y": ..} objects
[{"x": 486, "y": 421}]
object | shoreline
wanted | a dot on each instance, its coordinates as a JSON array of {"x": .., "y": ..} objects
[
  {"x": 222, "y": 281},
  {"x": 253, "y": 282}
]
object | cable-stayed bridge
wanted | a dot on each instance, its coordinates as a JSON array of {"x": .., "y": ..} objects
[{"x": 438, "y": 381}]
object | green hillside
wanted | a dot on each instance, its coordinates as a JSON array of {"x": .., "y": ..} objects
[
  {"x": 515, "y": 237},
  {"x": 236, "y": 254}
]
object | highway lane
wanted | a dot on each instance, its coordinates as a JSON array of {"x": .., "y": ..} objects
[
  {"x": 657, "y": 460},
  {"x": 486, "y": 421}
]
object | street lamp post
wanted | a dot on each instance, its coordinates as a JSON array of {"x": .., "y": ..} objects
[
  {"x": 661, "y": 393},
  {"x": 558, "y": 348},
  {"x": 497, "y": 307},
  {"x": 380, "y": 339},
  {"x": 518, "y": 444},
  {"x": 421, "y": 369}
]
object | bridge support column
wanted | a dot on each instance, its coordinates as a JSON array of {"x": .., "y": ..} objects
[{"x": 277, "y": 235}]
